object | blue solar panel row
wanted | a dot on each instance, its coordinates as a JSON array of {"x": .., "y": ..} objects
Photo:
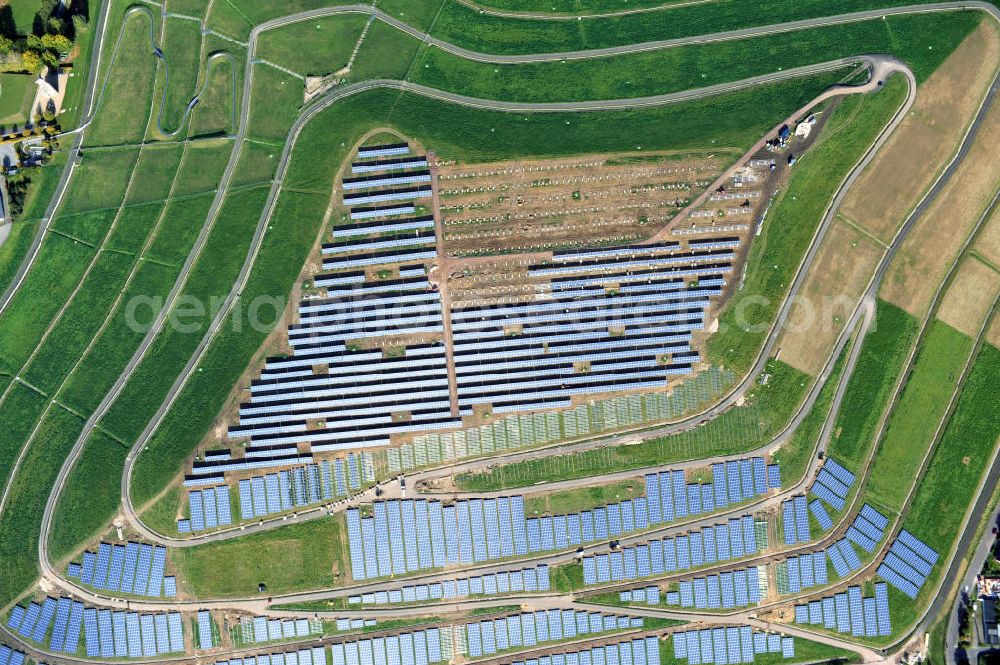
[
  {"x": 637, "y": 651},
  {"x": 312, "y": 656},
  {"x": 529, "y": 579},
  {"x": 850, "y": 612},
  {"x": 729, "y": 646},
  {"x": 720, "y": 543},
  {"x": 205, "y": 640},
  {"x": 10, "y": 656},
  {"x": 833, "y": 484},
  {"x": 908, "y": 563},
  {"x": 132, "y": 568},
  {"x": 423, "y": 647},
  {"x": 485, "y": 638},
  {"x": 822, "y": 517},
  {"x": 726, "y": 590},
  {"x": 795, "y": 520},
  {"x": 117, "y": 634},
  {"x": 210, "y": 508}
]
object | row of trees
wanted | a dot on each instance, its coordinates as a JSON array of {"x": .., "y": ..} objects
[{"x": 37, "y": 51}]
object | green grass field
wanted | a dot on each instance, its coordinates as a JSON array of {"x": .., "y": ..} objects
[
  {"x": 295, "y": 557},
  {"x": 154, "y": 173},
  {"x": 81, "y": 321},
  {"x": 99, "y": 180},
  {"x": 965, "y": 450},
  {"x": 126, "y": 104},
  {"x": 58, "y": 269},
  {"x": 563, "y": 502},
  {"x": 99, "y": 369},
  {"x": 794, "y": 456},
  {"x": 792, "y": 222},
  {"x": 92, "y": 491},
  {"x": 22, "y": 409},
  {"x": 214, "y": 113},
  {"x": 182, "y": 46},
  {"x": 883, "y": 352},
  {"x": 14, "y": 249},
  {"x": 737, "y": 430},
  {"x": 330, "y": 42},
  {"x": 949, "y": 486},
  {"x": 17, "y": 92},
  {"x": 673, "y": 69},
  {"x": 913, "y": 422},
  {"x": 279, "y": 96},
  {"x": 21, "y": 519}
]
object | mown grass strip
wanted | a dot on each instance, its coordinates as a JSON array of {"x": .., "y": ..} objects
[
  {"x": 58, "y": 268},
  {"x": 914, "y": 420},
  {"x": 80, "y": 322},
  {"x": 20, "y": 523},
  {"x": 296, "y": 557},
  {"x": 687, "y": 67},
  {"x": 795, "y": 454},
  {"x": 880, "y": 362},
  {"x": 99, "y": 369},
  {"x": 182, "y": 46},
  {"x": 91, "y": 492},
  {"x": 791, "y": 224}
]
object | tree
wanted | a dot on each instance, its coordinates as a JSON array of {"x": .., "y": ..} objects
[
  {"x": 6, "y": 45},
  {"x": 31, "y": 61},
  {"x": 50, "y": 58},
  {"x": 57, "y": 43}
]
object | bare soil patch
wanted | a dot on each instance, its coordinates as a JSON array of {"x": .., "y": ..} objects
[
  {"x": 970, "y": 296},
  {"x": 946, "y": 103},
  {"x": 932, "y": 245},
  {"x": 844, "y": 264},
  {"x": 988, "y": 242}
]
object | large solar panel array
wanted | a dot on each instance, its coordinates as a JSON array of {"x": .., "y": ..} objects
[
  {"x": 737, "y": 538},
  {"x": 313, "y": 656},
  {"x": 485, "y": 638},
  {"x": 739, "y": 588},
  {"x": 728, "y": 646},
  {"x": 804, "y": 571},
  {"x": 328, "y": 392},
  {"x": 114, "y": 634},
  {"x": 209, "y": 508},
  {"x": 669, "y": 497},
  {"x": 849, "y": 612},
  {"x": 132, "y": 568},
  {"x": 637, "y": 338},
  {"x": 637, "y": 651},
  {"x": 833, "y": 483},
  {"x": 529, "y": 579},
  {"x": 908, "y": 563},
  {"x": 10, "y": 656},
  {"x": 795, "y": 520},
  {"x": 263, "y": 629},
  {"x": 422, "y": 647}
]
